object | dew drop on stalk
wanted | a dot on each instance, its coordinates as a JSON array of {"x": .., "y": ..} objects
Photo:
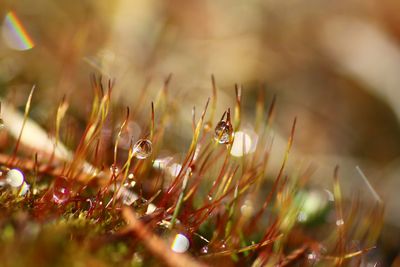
[
  {"x": 224, "y": 132},
  {"x": 61, "y": 190},
  {"x": 15, "y": 178},
  {"x": 142, "y": 148},
  {"x": 180, "y": 244}
]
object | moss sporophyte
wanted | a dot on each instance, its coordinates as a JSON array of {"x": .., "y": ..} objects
[{"x": 123, "y": 195}]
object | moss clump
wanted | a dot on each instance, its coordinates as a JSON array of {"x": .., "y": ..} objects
[{"x": 105, "y": 204}]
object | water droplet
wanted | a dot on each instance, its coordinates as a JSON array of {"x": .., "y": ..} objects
[
  {"x": 209, "y": 197},
  {"x": 142, "y": 149},
  {"x": 224, "y": 132},
  {"x": 15, "y": 178},
  {"x": 61, "y": 190},
  {"x": 180, "y": 244},
  {"x": 131, "y": 176},
  {"x": 204, "y": 250},
  {"x": 1, "y": 124}
]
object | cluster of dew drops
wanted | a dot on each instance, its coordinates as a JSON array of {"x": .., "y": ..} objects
[
  {"x": 60, "y": 190},
  {"x": 223, "y": 134},
  {"x": 14, "y": 178},
  {"x": 142, "y": 149}
]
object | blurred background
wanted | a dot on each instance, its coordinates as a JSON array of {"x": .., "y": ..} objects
[{"x": 335, "y": 65}]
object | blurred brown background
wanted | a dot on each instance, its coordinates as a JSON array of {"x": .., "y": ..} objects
[{"x": 333, "y": 64}]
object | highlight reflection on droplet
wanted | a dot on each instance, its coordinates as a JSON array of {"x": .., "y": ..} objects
[{"x": 14, "y": 33}]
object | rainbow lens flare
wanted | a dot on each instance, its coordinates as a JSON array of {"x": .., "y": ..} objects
[{"x": 14, "y": 33}]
